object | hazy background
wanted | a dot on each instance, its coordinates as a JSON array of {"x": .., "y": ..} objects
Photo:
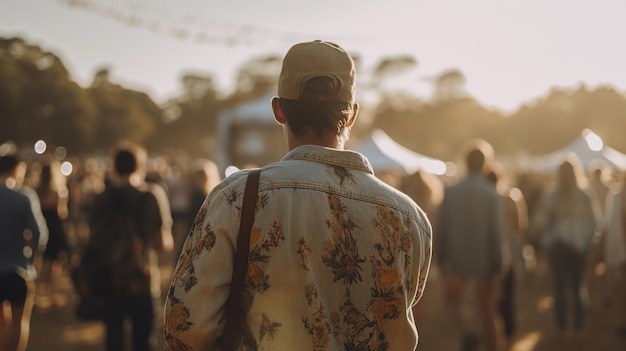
[
  {"x": 510, "y": 51},
  {"x": 526, "y": 75}
]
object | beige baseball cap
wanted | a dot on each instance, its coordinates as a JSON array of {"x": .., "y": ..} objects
[{"x": 318, "y": 58}]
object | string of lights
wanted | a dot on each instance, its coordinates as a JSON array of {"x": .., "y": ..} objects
[{"x": 185, "y": 26}]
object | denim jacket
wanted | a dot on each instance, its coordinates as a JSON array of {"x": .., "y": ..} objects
[{"x": 337, "y": 259}]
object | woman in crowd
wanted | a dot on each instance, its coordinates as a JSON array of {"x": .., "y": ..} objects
[{"x": 567, "y": 218}]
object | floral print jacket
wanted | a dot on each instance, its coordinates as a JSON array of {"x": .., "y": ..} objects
[{"x": 337, "y": 259}]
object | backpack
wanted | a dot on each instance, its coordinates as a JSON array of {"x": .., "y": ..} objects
[{"x": 117, "y": 247}]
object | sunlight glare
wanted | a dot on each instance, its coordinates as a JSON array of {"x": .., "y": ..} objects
[
  {"x": 40, "y": 147},
  {"x": 230, "y": 170},
  {"x": 436, "y": 167},
  {"x": 593, "y": 140},
  {"x": 67, "y": 168}
]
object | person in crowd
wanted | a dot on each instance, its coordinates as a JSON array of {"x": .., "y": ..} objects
[
  {"x": 613, "y": 246},
  {"x": 53, "y": 196},
  {"x": 87, "y": 180},
  {"x": 470, "y": 247},
  {"x": 130, "y": 209},
  {"x": 337, "y": 257},
  {"x": 532, "y": 185},
  {"x": 179, "y": 192},
  {"x": 23, "y": 236},
  {"x": 427, "y": 191},
  {"x": 203, "y": 177},
  {"x": 567, "y": 219},
  {"x": 598, "y": 280},
  {"x": 516, "y": 224}
]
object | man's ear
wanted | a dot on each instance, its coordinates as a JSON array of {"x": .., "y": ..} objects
[
  {"x": 355, "y": 112},
  {"x": 279, "y": 116}
]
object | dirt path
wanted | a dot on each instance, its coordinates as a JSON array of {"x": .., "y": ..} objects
[
  {"x": 56, "y": 328},
  {"x": 536, "y": 327}
]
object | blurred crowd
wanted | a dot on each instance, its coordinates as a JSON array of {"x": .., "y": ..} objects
[{"x": 570, "y": 221}]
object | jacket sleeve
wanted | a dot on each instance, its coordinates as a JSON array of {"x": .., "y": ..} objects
[{"x": 200, "y": 284}]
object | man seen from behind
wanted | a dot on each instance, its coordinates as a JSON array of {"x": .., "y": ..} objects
[{"x": 337, "y": 258}]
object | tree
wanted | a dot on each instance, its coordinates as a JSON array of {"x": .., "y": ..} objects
[
  {"x": 122, "y": 113},
  {"x": 38, "y": 99},
  {"x": 258, "y": 75},
  {"x": 449, "y": 84},
  {"x": 190, "y": 119}
]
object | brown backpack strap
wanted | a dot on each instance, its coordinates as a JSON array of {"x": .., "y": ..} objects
[{"x": 233, "y": 304}]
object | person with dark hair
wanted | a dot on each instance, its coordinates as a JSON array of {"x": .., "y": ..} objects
[
  {"x": 130, "y": 224},
  {"x": 23, "y": 235},
  {"x": 337, "y": 258},
  {"x": 471, "y": 247}
]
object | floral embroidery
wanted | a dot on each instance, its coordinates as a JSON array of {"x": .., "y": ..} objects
[
  {"x": 343, "y": 257},
  {"x": 388, "y": 290},
  {"x": 259, "y": 255},
  {"x": 304, "y": 251},
  {"x": 178, "y": 321},
  {"x": 317, "y": 326},
  {"x": 179, "y": 314},
  {"x": 257, "y": 279},
  {"x": 268, "y": 328},
  {"x": 342, "y": 173},
  {"x": 356, "y": 330},
  {"x": 186, "y": 276},
  {"x": 360, "y": 330}
]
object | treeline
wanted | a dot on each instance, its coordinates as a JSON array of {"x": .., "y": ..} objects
[{"x": 39, "y": 100}]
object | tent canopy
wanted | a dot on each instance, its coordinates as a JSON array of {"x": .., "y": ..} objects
[
  {"x": 385, "y": 154},
  {"x": 589, "y": 148}
]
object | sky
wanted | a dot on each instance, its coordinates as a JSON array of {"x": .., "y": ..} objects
[{"x": 511, "y": 52}]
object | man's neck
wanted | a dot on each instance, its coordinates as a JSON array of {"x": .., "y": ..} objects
[{"x": 330, "y": 141}]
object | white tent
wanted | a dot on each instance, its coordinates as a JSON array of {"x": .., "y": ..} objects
[
  {"x": 385, "y": 154},
  {"x": 588, "y": 147}
]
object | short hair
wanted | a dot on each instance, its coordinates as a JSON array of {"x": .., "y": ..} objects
[
  {"x": 128, "y": 158},
  {"x": 8, "y": 163},
  {"x": 479, "y": 154},
  {"x": 319, "y": 116}
]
